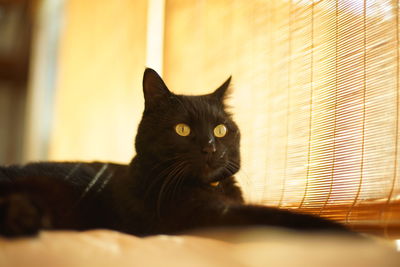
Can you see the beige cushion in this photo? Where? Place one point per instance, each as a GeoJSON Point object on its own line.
{"type": "Point", "coordinates": [270, 247]}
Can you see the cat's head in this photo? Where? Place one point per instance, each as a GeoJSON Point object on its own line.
{"type": "Point", "coordinates": [193, 136]}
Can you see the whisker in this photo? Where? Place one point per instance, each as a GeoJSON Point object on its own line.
{"type": "Point", "coordinates": [166, 186]}
{"type": "Point", "coordinates": [161, 174]}
{"type": "Point", "coordinates": [232, 167]}
{"type": "Point", "coordinates": [179, 181]}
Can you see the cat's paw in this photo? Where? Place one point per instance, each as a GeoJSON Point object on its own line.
{"type": "Point", "coordinates": [21, 215]}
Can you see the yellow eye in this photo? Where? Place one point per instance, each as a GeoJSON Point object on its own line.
{"type": "Point", "coordinates": [182, 129]}
{"type": "Point", "coordinates": [220, 130]}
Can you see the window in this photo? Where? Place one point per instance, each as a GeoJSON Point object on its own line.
{"type": "Point", "coordinates": [316, 95]}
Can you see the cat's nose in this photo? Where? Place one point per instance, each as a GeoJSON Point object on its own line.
{"type": "Point", "coordinates": [209, 148]}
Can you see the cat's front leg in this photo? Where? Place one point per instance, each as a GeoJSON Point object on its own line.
{"type": "Point", "coordinates": [30, 204]}
{"type": "Point", "coordinates": [22, 215]}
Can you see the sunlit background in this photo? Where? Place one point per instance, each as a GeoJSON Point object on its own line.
{"type": "Point", "coordinates": [316, 90]}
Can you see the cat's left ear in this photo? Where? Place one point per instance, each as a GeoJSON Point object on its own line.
{"type": "Point", "coordinates": [154, 89]}
{"type": "Point", "coordinates": [223, 91]}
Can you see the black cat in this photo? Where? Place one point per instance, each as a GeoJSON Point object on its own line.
{"type": "Point", "coordinates": [181, 178]}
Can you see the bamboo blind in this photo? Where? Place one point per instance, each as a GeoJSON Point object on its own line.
{"type": "Point", "coordinates": [316, 95]}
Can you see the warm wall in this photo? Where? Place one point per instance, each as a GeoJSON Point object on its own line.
{"type": "Point", "coordinates": [12, 101]}
{"type": "Point", "coordinates": [99, 96]}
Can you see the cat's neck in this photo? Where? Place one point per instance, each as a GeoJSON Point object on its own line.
{"type": "Point", "coordinates": [146, 174]}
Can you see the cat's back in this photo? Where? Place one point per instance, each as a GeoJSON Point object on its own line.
{"type": "Point", "coordinates": [78, 174]}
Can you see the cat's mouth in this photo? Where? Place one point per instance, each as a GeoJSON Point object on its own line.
{"type": "Point", "coordinates": [215, 168]}
{"type": "Point", "coordinates": [211, 165]}
{"type": "Point", "coordinates": [212, 172]}
{"type": "Point", "coordinates": [208, 168]}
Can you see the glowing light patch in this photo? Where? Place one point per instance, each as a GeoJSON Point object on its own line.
{"type": "Point", "coordinates": [397, 244]}
{"type": "Point", "coordinates": [214, 184]}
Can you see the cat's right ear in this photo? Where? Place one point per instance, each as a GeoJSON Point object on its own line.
{"type": "Point", "coordinates": [154, 88]}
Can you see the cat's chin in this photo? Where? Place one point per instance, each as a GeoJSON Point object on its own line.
{"type": "Point", "coordinates": [212, 174]}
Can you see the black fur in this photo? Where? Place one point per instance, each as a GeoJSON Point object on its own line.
{"type": "Point", "coordinates": [169, 186]}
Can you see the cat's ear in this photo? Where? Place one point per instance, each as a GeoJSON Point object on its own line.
{"type": "Point", "coordinates": [154, 88]}
{"type": "Point", "coordinates": [223, 91]}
